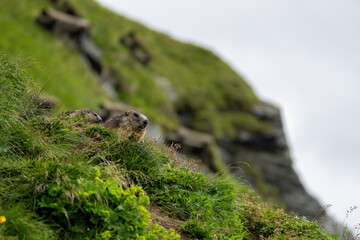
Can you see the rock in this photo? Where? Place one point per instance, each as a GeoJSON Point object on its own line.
{"type": "Point", "coordinates": [193, 143]}
{"type": "Point", "coordinates": [137, 47]}
{"type": "Point", "coordinates": [74, 28]}
{"type": "Point", "coordinates": [59, 21]}
{"type": "Point", "coordinates": [267, 112]}
{"type": "Point", "coordinates": [268, 153]}
{"type": "Point", "coordinates": [155, 131]}
{"type": "Point", "coordinates": [115, 78]}
{"type": "Point", "coordinates": [191, 138]}
{"type": "Point", "coordinates": [64, 6]}
{"type": "Point", "coordinates": [272, 140]}
{"type": "Point", "coordinates": [168, 87]}
{"type": "Point", "coordinates": [91, 52]}
{"type": "Point", "coordinates": [46, 102]}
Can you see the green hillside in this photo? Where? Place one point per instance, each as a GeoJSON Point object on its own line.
{"type": "Point", "coordinates": [58, 69]}
{"type": "Point", "coordinates": [63, 179]}
{"type": "Point", "coordinates": [205, 84]}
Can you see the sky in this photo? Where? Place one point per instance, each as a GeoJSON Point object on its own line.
{"type": "Point", "coordinates": [303, 56]}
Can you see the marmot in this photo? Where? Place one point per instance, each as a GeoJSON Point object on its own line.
{"type": "Point", "coordinates": [88, 116]}
{"type": "Point", "coordinates": [129, 124]}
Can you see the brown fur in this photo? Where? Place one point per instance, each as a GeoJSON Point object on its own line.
{"type": "Point", "coordinates": [88, 116]}
{"type": "Point", "coordinates": [129, 124]}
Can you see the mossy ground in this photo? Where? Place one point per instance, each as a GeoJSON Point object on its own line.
{"type": "Point", "coordinates": [75, 181]}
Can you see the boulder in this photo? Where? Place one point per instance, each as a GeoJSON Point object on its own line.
{"type": "Point", "coordinates": [91, 52]}
{"type": "Point", "coordinates": [59, 21]}
{"type": "Point", "coordinates": [194, 143]}
{"type": "Point", "coordinates": [268, 156]}
{"type": "Point", "coordinates": [137, 47]}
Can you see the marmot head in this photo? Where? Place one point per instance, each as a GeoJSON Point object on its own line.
{"type": "Point", "coordinates": [130, 124]}
{"type": "Point", "coordinates": [140, 119]}
{"type": "Point", "coordinates": [129, 119]}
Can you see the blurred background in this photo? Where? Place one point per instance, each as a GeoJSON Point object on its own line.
{"type": "Point", "coordinates": [304, 57]}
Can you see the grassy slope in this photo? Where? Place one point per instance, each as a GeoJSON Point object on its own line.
{"type": "Point", "coordinates": [71, 181]}
{"type": "Point", "coordinates": [192, 70]}
{"type": "Point", "coordinates": [204, 82]}
{"type": "Point", "coordinates": [206, 85]}
{"type": "Point", "coordinates": [58, 69]}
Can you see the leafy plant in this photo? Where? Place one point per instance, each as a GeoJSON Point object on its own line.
{"type": "Point", "coordinates": [98, 208]}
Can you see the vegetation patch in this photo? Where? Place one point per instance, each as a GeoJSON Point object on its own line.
{"type": "Point", "coordinates": [266, 222]}
{"type": "Point", "coordinates": [61, 179]}
{"type": "Point", "coordinates": [205, 85]}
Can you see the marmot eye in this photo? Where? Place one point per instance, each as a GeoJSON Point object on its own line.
{"type": "Point", "coordinates": [136, 114]}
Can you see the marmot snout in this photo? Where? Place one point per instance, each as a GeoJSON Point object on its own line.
{"type": "Point", "coordinates": [129, 124]}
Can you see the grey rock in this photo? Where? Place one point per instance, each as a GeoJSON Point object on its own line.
{"type": "Point", "coordinates": [92, 53]}
{"type": "Point", "coordinates": [272, 140]}
{"type": "Point", "coordinates": [266, 111]}
{"type": "Point", "coordinates": [59, 21]}
{"type": "Point", "coordinates": [155, 131]}
{"type": "Point", "coordinates": [268, 153]}
{"type": "Point", "coordinates": [168, 87]}
{"type": "Point", "coordinates": [194, 143]}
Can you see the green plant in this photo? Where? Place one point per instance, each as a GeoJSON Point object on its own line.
{"type": "Point", "coordinates": [20, 223]}
{"type": "Point", "coordinates": [206, 203]}
{"type": "Point", "coordinates": [266, 222]}
{"type": "Point", "coordinates": [98, 207]}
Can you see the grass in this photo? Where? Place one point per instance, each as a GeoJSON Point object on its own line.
{"type": "Point", "coordinates": [207, 87]}
{"type": "Point", "coordinates": [61, 179]}
{"type": "Point", "coordinates": [205, 84]}
{"type": "Point", "coordinates": [58, 69]}
{"type": "Point", "coordinates": [70, 180]}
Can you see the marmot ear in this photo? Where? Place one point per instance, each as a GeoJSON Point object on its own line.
{"type": "Point", "coordinates": [126, 113]}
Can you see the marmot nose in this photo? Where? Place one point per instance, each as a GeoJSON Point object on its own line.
{"type": "Point", "coordinates": [145, 122]}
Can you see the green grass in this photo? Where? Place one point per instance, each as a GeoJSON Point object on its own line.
{"type": "Point", "coordinates": [205, 83]}
{"type": "Point", "coordinates": [58, 69]}
{"type": "Point", "coordinates": [61, 179]}
{"type": "Point", "coordinates": [207, 87]}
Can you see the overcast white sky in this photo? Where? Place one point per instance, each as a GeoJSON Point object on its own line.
{"type": "Point", "coordinates": [304, 56]}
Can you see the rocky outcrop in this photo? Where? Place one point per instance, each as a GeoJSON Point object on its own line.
{"type": "Point", "coordinates": [140, 52]}
{"type": "Point", "coordinates": [268, 155]}
{"type": "Point", "coordinates": [195, 144]}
